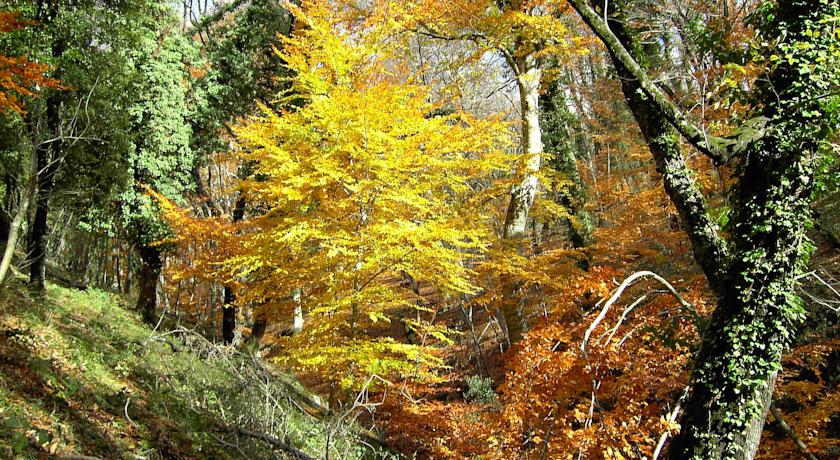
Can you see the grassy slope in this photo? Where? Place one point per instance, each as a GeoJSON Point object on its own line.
{"type": "Point", "coordinates": [79, 375]}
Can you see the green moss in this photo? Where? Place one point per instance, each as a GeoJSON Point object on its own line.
{"type": "Point", "coordinates": [80, 374]}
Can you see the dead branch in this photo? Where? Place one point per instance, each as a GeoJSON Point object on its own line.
{"type": "Point", "coordinates": [617, 294]}
{"type": "Point", "coordinates": [294, 452]}
{"type": "Point", "coordinates": [671, 418]}
{"type": "Point", "coordinates": [789, 431]}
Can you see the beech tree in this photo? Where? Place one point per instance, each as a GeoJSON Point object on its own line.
{"type": "Point", "coordinates": [529, 35]}
{"type": "Point", "coordinates": [754, 270]}
{"type": "Point", "coordinates": [359, 183]}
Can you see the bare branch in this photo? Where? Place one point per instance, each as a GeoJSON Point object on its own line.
{"type": "Point", "coordinates": [621, 288]}
{"type": "Point", "coordinates": [292, 451]}
{"type": "Point", "coordinates": [719, 149]}
{"type": "Point", "coordinates": [672, 417]}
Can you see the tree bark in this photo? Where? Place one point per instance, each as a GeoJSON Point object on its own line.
{"type": "Point", "coordinates": [758, 311]}
{"type": "Point", "coordinates": [742, 347]}
{"type": "Point", "coordinates": [48, 158]}
{"type": "Point", "coordinates": [228, 316]}
{"type": "Point", "coordinates": [559, 140]}
{"type": "Point", "coordinates": [297, 324]}
{"type": "Point", "coordinates": [229, 310]}
{"type": "Point", "coordinates": [522, 195]}
{"type": "Point", "coordinates": [151, 264]}
{"type": "Point", "coordinates": [252, 345]}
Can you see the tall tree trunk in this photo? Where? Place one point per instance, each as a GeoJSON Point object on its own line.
{"type": "Point", "coordinates": [522, 195]}
{"type": "Point", "coordinates": [151, 264]}
{"type": "Point", "coordinates": [735, 371]}
{"type": "Point", "coordinates": [559, 124]}
{"type": "Point", "coordinates": [48, 159]}
{"type": "Point", "coordinates": [228, 316]}
{"type": "Point", "coordinates": [6, 208]}
{"type": "Point", "coordinates": [297, 324]}
{"type": "Point", "coordinates": [49, 156]}
{"type": "Point", "coordinates": [129, 271]}
{"type": "Point", "coordinates": [754, 276]}
{"type": "Point", "coordinates": [229, 310]}
{"type": "Point", "coordinates": [705, 435]}
{"type": "Point", "coordinates": [8, 205]}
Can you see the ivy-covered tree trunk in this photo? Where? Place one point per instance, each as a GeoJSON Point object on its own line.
{"type": "Point", "coordinates": [754, 274]}
{"type": "Point", "coordinates": [758, 308]}
{"type": "Point", "coordinates": [756, 316]}
{"type": "Point", "coordinates": [558, 125]}
{"type": "Point", "coordinates": [151, 264]}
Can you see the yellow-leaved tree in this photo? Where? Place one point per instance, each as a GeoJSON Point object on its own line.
{"type": "Point", "coordinates": [358, 182]}
{"type": "Point", "coordinates": [533, 38]}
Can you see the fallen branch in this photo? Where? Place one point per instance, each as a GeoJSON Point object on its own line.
{"type": "Point", "coordinates": [792, 434]}
{"type": "Point", "coordinates": [294, 452]}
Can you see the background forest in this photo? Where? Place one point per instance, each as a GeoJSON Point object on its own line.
{"type": "Point", "coordinates": [509, 229]}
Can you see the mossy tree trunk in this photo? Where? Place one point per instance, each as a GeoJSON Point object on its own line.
{"type": "Point", "coordinates": [754, 273]}
{"type": "Point", "coordinates": [559, 124]}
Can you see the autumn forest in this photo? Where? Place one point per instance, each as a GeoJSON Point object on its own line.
{"type": "Point", "coordinates": [420, 229]}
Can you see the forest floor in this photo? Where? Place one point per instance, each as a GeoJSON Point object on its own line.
{"type": "Point", "coordinates": [81, 374]}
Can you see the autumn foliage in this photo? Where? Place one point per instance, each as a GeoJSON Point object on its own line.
{"type": "Point", "coordinates": [20, 77]}
{"type": "Point", "coordinates": [375, 210]}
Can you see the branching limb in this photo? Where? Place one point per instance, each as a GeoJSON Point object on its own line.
{"type": "Point", "coordinates": [828, 303]}
{"type": "Point", "coordinates": [617, 294]}
{"type": "Point", "coordinates": [208, 21]}
{"type": "Point", "coordinates": [719, 149]}
{"type": "Point", "coordinates": [709, 247]}
{"type": "Point", "coordinates": [427, 31]}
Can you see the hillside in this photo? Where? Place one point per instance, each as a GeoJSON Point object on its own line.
{"type": "Point", "coordinates": [81, 375]}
